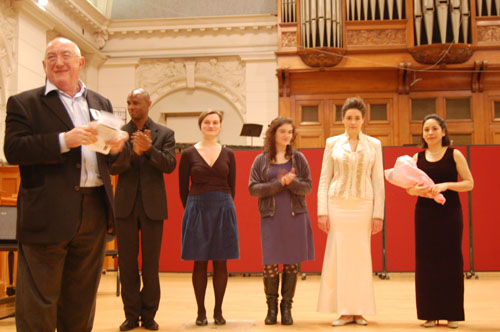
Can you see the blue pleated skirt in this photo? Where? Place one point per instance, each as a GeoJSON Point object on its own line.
{"type": "Point", "coordinates": [209, 228]}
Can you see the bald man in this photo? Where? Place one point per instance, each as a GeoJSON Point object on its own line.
{"type": "Point", "coordinates": [65, 197]}
{"type": "Point", "coordinates": [141, 207]}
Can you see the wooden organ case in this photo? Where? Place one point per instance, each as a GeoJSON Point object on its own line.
{"type": "Point", "coordinates": [405, 58]}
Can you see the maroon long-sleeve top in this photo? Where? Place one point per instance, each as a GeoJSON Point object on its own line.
{"type": "Point", "coordinates": [221, 176]}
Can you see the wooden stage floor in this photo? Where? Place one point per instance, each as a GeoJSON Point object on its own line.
{"type": "Point", "coordinates": [244, 306]}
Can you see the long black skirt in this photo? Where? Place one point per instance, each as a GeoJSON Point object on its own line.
{"type": "Point", "coordinates": [439, 281]}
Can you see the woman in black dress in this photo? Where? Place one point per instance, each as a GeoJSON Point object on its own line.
{"type": "Point", "coordinates": [209, 228]}
{"type": "Point", "coordinates": [439, 283]}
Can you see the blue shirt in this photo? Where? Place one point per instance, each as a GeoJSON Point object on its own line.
{"type": "Point", "coordinates": [78, 110]}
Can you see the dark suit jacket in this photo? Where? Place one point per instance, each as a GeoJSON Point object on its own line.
{"type": "Point", "coordinates": [49, 198]}
{"type": "Point", "coordinates": [145, 173]}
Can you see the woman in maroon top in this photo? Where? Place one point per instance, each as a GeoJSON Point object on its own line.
{"type": "Point", "coordinates": [209, 228]}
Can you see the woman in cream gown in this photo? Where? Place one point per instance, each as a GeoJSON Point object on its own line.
{"type": "Point", "coordinates": [350, 209]}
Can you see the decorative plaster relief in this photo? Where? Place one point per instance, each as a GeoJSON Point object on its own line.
{"type": "Point", "coordinates": [376, 37]}
{"type": "Point", "coordinates": [488, 34]}
{"type": "Point", "coordinates": [151, 74]}
{"type": "Point", "coordinates": [101, 37]}
{"type": "Point", "coordinates": [223, 75]}
{"type": "Point", "coordinates": [289, 39]}
{"type": "Point", "coordinates": [8, 23]}
{"type": "Point", "coordinates": [81, 17]}
{"type": "Point", "coordinates": [8, 40]}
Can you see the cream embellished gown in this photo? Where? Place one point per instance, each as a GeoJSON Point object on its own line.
{"type": "Point", "coordinates": [351, 193]}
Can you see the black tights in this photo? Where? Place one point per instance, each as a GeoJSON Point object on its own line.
{"type": "Point", "coordinates": [200, 285]}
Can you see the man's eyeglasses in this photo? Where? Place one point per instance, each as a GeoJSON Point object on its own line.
{"type": "Point", "coordinates": [52, 58]}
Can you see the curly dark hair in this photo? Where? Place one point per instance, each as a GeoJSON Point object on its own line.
{"type": "Point", "coordinates": [270, 139]}
{"type": "Point", "coordinates": [445, 141]}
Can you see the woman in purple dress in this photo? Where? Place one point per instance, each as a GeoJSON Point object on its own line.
{"type": "Point", "coordinates": [439, 282]}
{"type": "Point", "coordinates": [280, 178]}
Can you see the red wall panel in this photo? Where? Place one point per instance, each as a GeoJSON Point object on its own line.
{"type": "Point", "coordinates": [484, 164]}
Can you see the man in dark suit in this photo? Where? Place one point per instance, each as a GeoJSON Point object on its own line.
{"type": "Point", "coordinates": [65, 197]}
{"type": "Point", "coordinates": [141, 205]}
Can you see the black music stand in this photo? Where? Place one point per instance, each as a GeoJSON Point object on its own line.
{"type": "Point", "coordinates": [252, 130]}
{"type": "Point", "coordinates": [8, 242]}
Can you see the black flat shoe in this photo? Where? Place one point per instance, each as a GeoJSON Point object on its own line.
{"type": "Point", "coordinates": [219, 320]}
{"type": "Point", "coordinates": [129, 324]}
{"type": "Point", "coordinates": [150, 324]}
{"type": "Point", "coordinates": [201, 321]}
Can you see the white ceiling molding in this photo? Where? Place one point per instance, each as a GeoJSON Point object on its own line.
{"type": "Point", "coordinates": [80, 21]}
{"type": "Point", "coordinates": [193, 37]}
{"type": "Point", "coordinates": [77, 20]}
{"type": "Point", "coordinates": [197, 24]}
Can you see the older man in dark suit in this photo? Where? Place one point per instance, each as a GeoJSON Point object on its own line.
{"type": "Point", "coordinates": [141, 205]}
{"type": "Point", "coordinates": [65, 196]}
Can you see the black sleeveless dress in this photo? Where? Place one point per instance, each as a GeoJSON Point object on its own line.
{"type": "Point", "coordinates": [439, 282]}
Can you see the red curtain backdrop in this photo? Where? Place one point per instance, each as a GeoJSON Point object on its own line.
{"type": "Point", "coordinates": [484, 163]}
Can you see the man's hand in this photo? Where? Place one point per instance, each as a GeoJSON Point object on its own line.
{"type": "Point", "coordinates": [81, 135]}
{"type": "Point", "coordinates": [141, 141]}
{"type": "Point", "coordinates": [118, 142]}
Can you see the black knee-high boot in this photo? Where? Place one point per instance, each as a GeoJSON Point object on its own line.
{"type": "Point", "coordinates": [288, 283]}
{"type": "Point", "coordinates": [271, 287]}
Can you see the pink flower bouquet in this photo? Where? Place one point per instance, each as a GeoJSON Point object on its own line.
{"type": "Point", "coordinates": [406, 174]}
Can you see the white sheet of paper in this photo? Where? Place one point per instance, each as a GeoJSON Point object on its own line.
{"type": "Point", "coordinates": [107, 128]}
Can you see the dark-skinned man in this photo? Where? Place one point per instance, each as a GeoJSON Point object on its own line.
{"type": "Point", "coordinates": [141, 206]}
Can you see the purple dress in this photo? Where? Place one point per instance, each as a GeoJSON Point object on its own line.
{"type": "Point", "coordinates": [286, 238]}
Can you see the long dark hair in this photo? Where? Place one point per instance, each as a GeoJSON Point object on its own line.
{"type": "Point", "coordinates": [445, 141]}
{"type": "Point", "coordinates": [270, 139]}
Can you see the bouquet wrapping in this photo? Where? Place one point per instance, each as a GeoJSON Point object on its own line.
{"type": "Point", "coordinates": [406, 174]}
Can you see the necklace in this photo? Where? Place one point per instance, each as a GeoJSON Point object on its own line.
{"type": "Point", "coordinates": [438, 152]}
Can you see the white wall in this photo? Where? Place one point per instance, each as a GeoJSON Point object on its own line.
{"type": "Point", "coordinates": [116, 80]}
{"type": "Point", "coordinates": [198, 100]}
{"type": "Point", "coordinates": [262, 94]}
{"type": "Point", "coordinates": [31, 51]}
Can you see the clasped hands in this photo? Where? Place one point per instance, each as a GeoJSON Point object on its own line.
{"type": "Point", "coordinates": [423, 190]}
{"type": "Point", "coordinates": [86, 135]}
{"type": "Point", "coordinates": [141, 141]}
{"type": "Point", "coordinates": [288, 177]}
